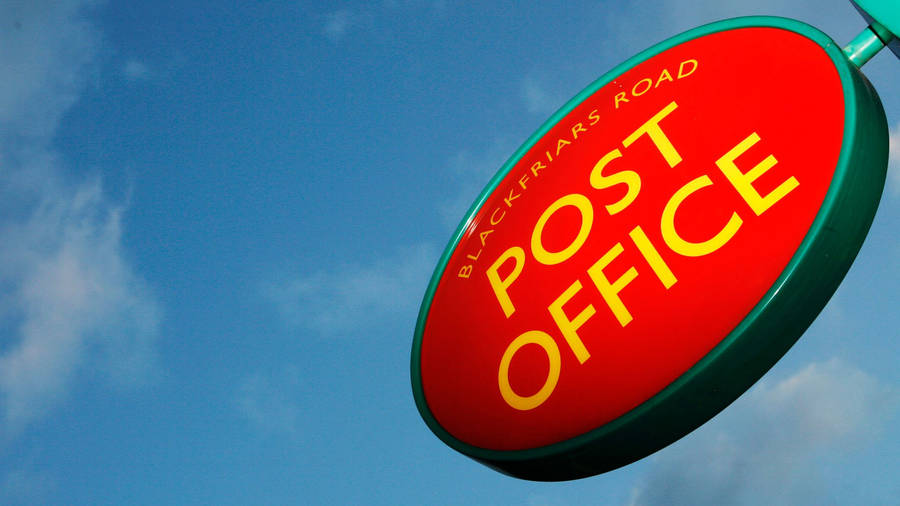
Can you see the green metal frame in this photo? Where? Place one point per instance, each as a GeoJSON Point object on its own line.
{"type": "Point", "coordinates": [764, 336]}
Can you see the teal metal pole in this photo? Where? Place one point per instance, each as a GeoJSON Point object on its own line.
{"type": "Point", "coordinates": [866, 45]}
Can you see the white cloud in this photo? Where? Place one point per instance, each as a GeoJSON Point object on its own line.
{"type": "Point", "coordinates": [471, 172]}
{"type": "Point", "coordinates": [70, 299]}
{"type": "Point", "coordinates": [135, 70]}
{"type": "Point", "coordinates": [537, 99]}
{"type": "Point", "coordinates": [26, 485]}
{"type": "Point", "coordinates": [273, 403]}
{"type": "Point", "coordinates": [773, 446]}
{"type": "Point", "coordinates": [537, 499]}
{"type": "Point", "coordinates": [337, 23]}
{"type": "Point", "coordinates": [894, 163]}
{"type": "Point", "coordinates": [355, 296]}
{"type": "Point", "coordinates": [47, 46]}
{"type": "Point", "coordinates": [68, 296]}
{"type": "Point", "coordinates": [660, 19]}
{"type": "Point", "coordinates": [808, 11]}
{"type": "Point", "coordinates": [365, 18]}
{"type": "Point", "coordinates": [435, 5]}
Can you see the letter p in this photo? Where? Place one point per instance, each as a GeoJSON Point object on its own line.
{"type": "Point", "coordinates": [501, 286]}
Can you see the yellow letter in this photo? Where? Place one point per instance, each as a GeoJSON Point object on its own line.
{"type": "Point", "coordinates": [495, 223]}
{"type": "Point", "coordinates": [583, 205]}
{"type": "Point", "coordinates": [653, 257]}
{"type": "Point", "coordinates": [501, 286]}
{"type": "Point", "coordinates": [549, 345]}
{"type": "Point", "coordinates": [577, 128]}
{"type": "Point", "coordinates": [652, 129]}
{"type": "Point", "coordinates": [629, 177]}
{"type": "Point", "coordinates": [522, 181]}
{"type": "Point", "coordinates": [483, 235]}
{"type": "Point", "coordinates": [663, 76]}
{"type": "Point", "coordinates": [743, 183]}
{"type": "Point", "coordinates": [619, 98]}
{"type": "Point", "coordinates": [610, 291]}
{"type": "Point", "coordinates": [635, 87]}
{"type": "Point", "coordinates": [682, 73]}
{"type": "Point", "coordinates": [694, 249]}
{"type": "Point", "coordinates": [569, 328]}
{"type": "Point", "coordinates": [512, 196]}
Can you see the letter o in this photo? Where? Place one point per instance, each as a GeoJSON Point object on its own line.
{"type": "Point", "coordinates": [583, 205]}
{"type": "Point", "coordinates": [634, 89]}
{"type": "Point", "coordinates": [551, 349]}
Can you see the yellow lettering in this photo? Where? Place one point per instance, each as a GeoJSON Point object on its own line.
{"type": "Point", "coordinates": [634, 89]}
{"type": "Point", "coordinates": [536, 167]}
{"type": "Point", "coordinates": [569, 328]}
{"type": "Point", "coordinates": [683, 73]}
{"type": "Point", "coordinates": [610, 291]}
{"type": "Point", "coordinates": [501, 286]}
{"type": "Point", "coordinates": [546, 342]}
{"type": "Point", "coordinates": [577, 201]}
{"type": "Point", "coordinates": [577, 128]}
{"type": "Point", "coordinates": [694, 249]}
{"type": "Point", "coordinates": [561, 143]}
{"type": "Point", "coordinates": [743, 182]}
{"type": "Point", "coordinates": [483, 235]}
{"type": "Point", "coordinates": [522, 181]}
{"type": "Point", "coordinates": [493, 214]}
{"type": "Point", "coordinates": [652, 256]}
{"type": "Point", "coordinates": [465, 271]}
{"type": "Point", "coordinates": [663, 76]}
{"type": "Point", "coordinates": [627, 177]}
{"type": "Point", "coordinates": [620, 97]}
{"type": "Point", "coordinates": [594, 117]}
{"type": "Point", "coordinates": [512, 196]}
{"type": "Point", "coordinates": [652, 129]}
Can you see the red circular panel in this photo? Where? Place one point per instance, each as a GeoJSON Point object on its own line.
{"type": "Point", "coordinates": [733, 138]}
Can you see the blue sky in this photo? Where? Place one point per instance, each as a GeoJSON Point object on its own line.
{"type": "Point", "coordinates": [217, 222]}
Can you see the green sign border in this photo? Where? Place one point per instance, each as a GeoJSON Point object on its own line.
{"type": "Point", "coordinates": [763, 337]}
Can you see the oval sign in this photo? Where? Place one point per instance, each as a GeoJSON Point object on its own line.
{"type": "Point", "coordinates": [651, 251]}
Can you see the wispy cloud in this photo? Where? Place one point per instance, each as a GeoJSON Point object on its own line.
{"type": "Point", "coordinates": [351, 297]}
{"type": "Point", "coordinates": [471, 170]}
{"type": "Point", "coordinates": [337, 23]}
{"type": "Point", "coordinates": [537, 99]}
{"type": "Point", "coordinates": [135, 70]}
{"type": "Point", "coordinates": [538, 499]}
{"type": "Point", "coordinates": [68, 295]}
{"type": "Point", "coordinates": [436, 5]}
{"type": "Point", "coordinates": [702, 11]}
{"type": "Point", "coordinates": [364, 18]}
{"type": "Point", "coordinates": [25, 485]}
{"type": "Point", "coordinates": [894, 163]}
{"type": "Point", "coordinates": [71, 298]}
{"type": "Point", "coordinates": [48, 45]}
{"type": "Point", "coordinates": [776, 443]}
{"type": "Point", "coordinates": [273, 403]}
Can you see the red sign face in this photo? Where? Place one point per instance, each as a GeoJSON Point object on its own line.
{"type": "Point", "coordinates": [631, 238]}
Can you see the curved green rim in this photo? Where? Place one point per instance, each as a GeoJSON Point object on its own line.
{"type": "Point", "coordinates": [763, 337]}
